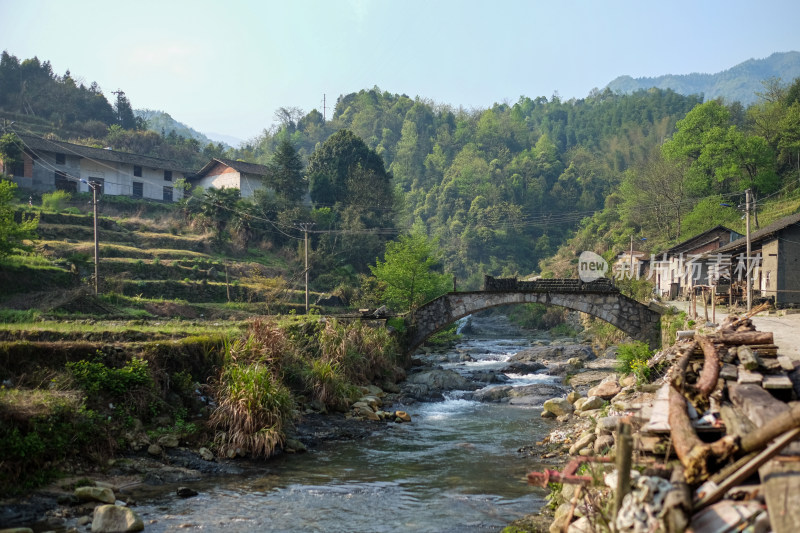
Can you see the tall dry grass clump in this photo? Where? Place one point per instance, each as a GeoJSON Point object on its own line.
{"type": "Point", "coordinates": [253, 408]}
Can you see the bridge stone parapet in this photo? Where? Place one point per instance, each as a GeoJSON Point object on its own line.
{"type": "Point", "coordinates": [600, 300]}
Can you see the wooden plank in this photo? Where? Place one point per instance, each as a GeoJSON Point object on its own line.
{"type": "Point", "coordinates": [755, 403]}
{"type": "Point", "coordinates": [747, 377]}
{"type": "Point", "coordinates": [729, 372]}
{"type": "Point", "coordinates": [781, 481]}
{"type": "Point", "coordinates": [780, 382]}
{"type": "Point", "coordinates": [724, 516]}
{"type": "Point", "coordinates": [786, 363]}
{"type": "Point", "coordinates": [770, 364]}
{"type": "Point", "coordinates": [736, 423]}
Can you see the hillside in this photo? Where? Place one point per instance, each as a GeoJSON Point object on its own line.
{"type": "Point", "coordinates": [153, 264]}
{"type": "Point", "coordinates": [162, 122]}
{"type": "Point", "coordinates": [736, 84]}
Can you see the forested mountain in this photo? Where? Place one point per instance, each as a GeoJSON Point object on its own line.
{"type": "Point", "coordinates": [500, 188]}
{"type": "Point", "coordinates": [162, 122]}
{"type": "Point", "coordinates": [737, 84]}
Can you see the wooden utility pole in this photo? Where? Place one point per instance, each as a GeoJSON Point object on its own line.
{"type": "Point", "coordinates": [748, 264]}
{"type": "Point", "coordinates": [305, 226]}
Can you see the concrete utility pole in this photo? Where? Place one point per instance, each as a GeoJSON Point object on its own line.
{"type": "Point", "coordinates": [748, 264]}
{"type": "Point", "coordinates": [631, 257]}
{"type": "Point", "coordinates": [305, 226]}
{"type": "Point", "coordinates": [95, 186]}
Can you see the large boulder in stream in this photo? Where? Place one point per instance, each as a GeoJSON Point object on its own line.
{"type": "Point", "coordinates": [533, 395]}
{"type": "Point", "coordinates": [554, 353]}
{"type": "Point", "coordinates": [430, 384]}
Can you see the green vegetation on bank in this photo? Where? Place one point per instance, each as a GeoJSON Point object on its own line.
{"type": "Point", "coordinates": [82, 401]}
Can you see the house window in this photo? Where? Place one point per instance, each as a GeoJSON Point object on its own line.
{"type": "Point", "coordinates": [63, 183]}
{"type": "Point", "coordinates": [138, 189]}
{"type": "Point", "coordinates": [137, 171]}
{"type": "Point", "coordinates": [167, 194]}
{"type": "Point", "coordinates": [100, 182]}
{"type": "Point", "coordinates": [61, 159]}
{"type": "Point", "coordinates": [167, 175]}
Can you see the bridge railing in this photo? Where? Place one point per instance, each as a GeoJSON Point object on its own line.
{"type": "Point", "coordinates": [547, 285]}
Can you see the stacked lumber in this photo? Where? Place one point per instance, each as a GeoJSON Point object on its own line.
{"type": "Point", "coordinates": [738, 375]}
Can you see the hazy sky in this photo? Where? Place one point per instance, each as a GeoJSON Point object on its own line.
{"type": "Point", "coordinates": [225, 67]}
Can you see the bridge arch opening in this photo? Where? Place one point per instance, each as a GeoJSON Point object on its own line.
{"type": "Point", "coordinates": [601, 300]}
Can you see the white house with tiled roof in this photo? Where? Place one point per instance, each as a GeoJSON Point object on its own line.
{"type": "Point", "coordinates": [49, 165]}
{"type": "Point", "coordinates": [219, 173]}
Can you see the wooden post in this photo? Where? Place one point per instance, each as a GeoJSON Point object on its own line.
{"type": "Point", "coordinates": [705, 304]}
{"type": "Point", "coordinates": [714, 304]}
{"type": "Point", "coordinates": [624, 460]}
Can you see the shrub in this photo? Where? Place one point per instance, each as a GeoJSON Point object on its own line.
{"type": "Point", "coordinates": [253, 407]}
{"type": "Point", "coordinates": [632, 359]}
{"type": "Point", "coordinates": [56, 200]}
{"type": "Point", "coordinates": [40, 427]}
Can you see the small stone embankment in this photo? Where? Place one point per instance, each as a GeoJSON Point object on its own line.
{"type": "Point", "coordinates": [711, 441]}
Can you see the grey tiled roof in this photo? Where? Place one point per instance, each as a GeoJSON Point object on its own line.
{"type": "Point", "coordinates": [38, 144]}
{"type": "Point", "coordinates": [761, 234]}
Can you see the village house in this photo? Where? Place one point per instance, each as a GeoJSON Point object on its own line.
{"type": "Point", "coordinates": [679, 269]}
{"type": "Point", "coordinates": [775, 266]}
{"type": "Point", "coordinates": [219, 173]}
{"type": "Point", "coordinates": [49, 165]}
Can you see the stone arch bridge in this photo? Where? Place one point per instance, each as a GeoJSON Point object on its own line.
{"type": "Point", "coordinates": [598, 298]}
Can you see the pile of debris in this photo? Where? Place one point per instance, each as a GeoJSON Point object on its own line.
{"type": "Point", "coordinates": [715, 446]}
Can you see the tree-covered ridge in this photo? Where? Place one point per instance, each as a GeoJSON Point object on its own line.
{"type": "Point", "coordinates": [737, 84]}
{"type": "Point", "coordinates": [500, 188]}
{"type": "Point", "coordinates": [696, 179]}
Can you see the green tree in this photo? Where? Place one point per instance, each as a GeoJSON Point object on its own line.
{"type": "Point", "coordinates": [286, 171]}
{"type": "Point", "coordinates": [12, 233]}
{"type": "Point", "coordinates": [409, 272]}
{"type": "Point", "coordinates": [10, 152]}
{"type": "Point", "coordinates": [332, 167]}
{"type": "Point", "coordinates": [218, 209]}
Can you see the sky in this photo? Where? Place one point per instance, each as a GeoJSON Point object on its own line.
{"type": "Point", "coordinates": [226, 67]}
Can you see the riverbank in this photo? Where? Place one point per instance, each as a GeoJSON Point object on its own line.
{"type": "Point", "coordinates": [586, 503]}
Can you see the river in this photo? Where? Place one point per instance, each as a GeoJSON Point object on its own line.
{"type": "Point", "coordinates": [454, 468]}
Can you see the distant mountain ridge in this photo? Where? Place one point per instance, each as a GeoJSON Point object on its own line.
{"type": "Point", "coordinates": [739, 83]}
{"type": "Point", "coordinates": [159, 121]}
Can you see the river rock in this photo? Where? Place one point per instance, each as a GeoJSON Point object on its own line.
{"type": "Point", "coordinates": [186, 492]}
{"type": "Point", "coordinates": [95, 494]}
{"type": "Point", "coordinates": [115, 519]}
{"type": "Point", "coordinates": [581, 525]}
{"type": "Point", "coordinates": [445, 380]}
{"type": "Point", "coordinates": [606, 389]}
{"type": "Point", "coordinates": [603, 443]}
{"type": "Point", "coordinates": [560, 519]}
{"type": "Point", "coordinates": [574, 396]}
{"type": "Point", "coordinates": [206, 454]}
{"type": "Point", "coordinates": [373, 390]}
{"type": "Point", "coordinates": [367, 413]}
{"type": "Point", "coordinates": [489, 377]}
{"type": "Point", "coordinates": [155, 449]}
{"type": "Point", "coordinates": [492, 394]}
{"type": "Point", "coordinates": [608, 424]}
{"type": "Point", "coordinates": [402, 416]}
{"type": "Point", "coordinates": [554, 353]}
{"type": "Point", "coordinates": [578, 404]}
{"type": "Point", "coordinates": [575, 362]}
{"type": "Point", "coordinates": [582, 443]}
{"type": "Point", "coordinates": [592, 402]}
{"type": "Point", "coordinates": [294, 446]}
{"type": "Point", "coordinates": [168, 441]}
{"type": "Point", "coordinates": [558, 406]}
{"type": "Point", "coordinates": [524, 367]}
{"type": "Point", "coordinates": [547, 414]}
